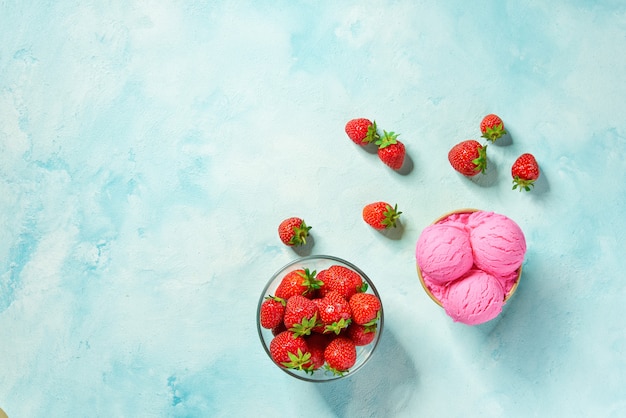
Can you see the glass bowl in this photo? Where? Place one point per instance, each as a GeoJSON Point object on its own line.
{"type": "Point", "coordinates": [318, 263]}
{"type": "Point", "coordinates": [431, 292]}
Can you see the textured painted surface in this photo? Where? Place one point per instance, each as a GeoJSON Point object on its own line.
{"type": "Point", "coordinates": [149, 149]}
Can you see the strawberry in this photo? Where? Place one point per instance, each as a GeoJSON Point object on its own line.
{"type": "Point", "coordinates": [293, 231]}
{"type": "Point", "coordinates": [365, 308]}
{"type": "Point", "coordinates": [381, 215]}
{"type": "Point", "coordinates": [300, 315]}
{"type": "Point", "coordinates": [340, 355]}
{"type": "Point", "coordinates": [362, 131]}
{"type": "Point", "coordinates": [468, 157]}
{"type": "Point", "coordinates": [316, 344]}
{"type": "Point", "coordinates": [297, 282]}
{"type": "Point", "coordinates": [278, 329]}
{"type": "Point", "coordinates": [524, 172]}
{"type": "Point", "coordinates": [272, 311]}
{"type": "Point", "coordinates": [361, 334]}
{"type": "Point", "coordinates": [390, 150]}
{"type": "Point", "coordinates": [492, 127]}
{"type": "Point", "coordinates": [290, 351]}
{"type": "Point", "coordinates": [334, 312]}
{"type": "Point", "coordinates": [343, 280]}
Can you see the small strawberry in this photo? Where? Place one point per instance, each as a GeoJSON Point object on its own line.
{"type": "Point", "coordinates": [290, 351]}
{"type": "Point", "coordinates": [340, 355]}
{"type": "Point", "coordinates": [390, 150]}
{"type": "Point", "coordinates": [381, 215]}
{"type": "Point", "coordinates": [272, 311]}
{"type": "Point", "coordinates": [334, 312]}
{"type": "Point", "coordinates": [468, 157]}
{"type": "Point", "coordinates": [524, 172]}
{"type": "Point", "coordinates": [298, 282]}
{"type": "Point", "coordinates": [365, 308]}
{"type": "Point", "coordinates": [343, 280]}
{"type": "Point", "coordinates": [361, 334]}
{"type": "Point", "coordinates": [492, 127]}
{"type": "Point", "coordinates": [293, 231]}
{"type": "Point", "coordinates": [316, 344]}
{"type": "Point", "coordinates": [362, 131]}
{"type": "Point", "coordinates": [300, 315]}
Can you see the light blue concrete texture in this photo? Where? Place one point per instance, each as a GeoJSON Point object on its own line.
{"type": "Point", "coordinates": [149, 150]}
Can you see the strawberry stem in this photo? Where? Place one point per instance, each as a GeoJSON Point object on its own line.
{"type": "Point", "coordinates": [391, 216]}
{"type": "Point", "coordinates": [481, 161]}
{"type": "Point", "coordinates": [310, 281]}
{"type": "Point", "coordinates": [299, 234]}
{"type": "Point", "coordinates": [304, 327]}
{"type": "Point", "coordinates": [372, 134]}
{"type": "Point", "coordinates": [495, 132]}
{"type": "Point", "coordinates": [388, 138]}
{"type": "Point", "coordinates": [522, 184]}
{"type": "Point", "coordinates": [338, 326]}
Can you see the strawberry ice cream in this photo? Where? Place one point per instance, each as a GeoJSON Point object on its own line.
{"type": "Point", "coordinates": [498, 243]}
{"type": "Point", "coordinates": [475, 298]}
{"type": "Point", "coordinates": [470, 262]}
{"type": "Point", "coordinates": [444, 252]}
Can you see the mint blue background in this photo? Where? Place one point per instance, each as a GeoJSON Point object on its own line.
{"type": "Point", "coordinates": [149, 149]}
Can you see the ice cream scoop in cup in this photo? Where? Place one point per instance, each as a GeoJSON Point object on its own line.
{"type": "Point", "coordinates": [475, 294]}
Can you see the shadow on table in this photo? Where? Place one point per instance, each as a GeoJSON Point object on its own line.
{"type": "Point", "coordinates": [489, 177]}
{"type": "Point", "coordinates": [529, 336]}
{"type": "Point", "coordinates": [383, 387]}
{"type": "Point", "coordinates": [306, 249]}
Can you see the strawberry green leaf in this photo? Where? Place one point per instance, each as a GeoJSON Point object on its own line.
{"type": "Point", "coordinates": [373, 321]}
{"type": "Point", "coordinates": [299, 361]}
{"type": "Point", "coordinates": [304, 327]}
{"type": "Point", "coordinates": [338, 326]}
{"type": "Point", "coordinates": [388, 138]}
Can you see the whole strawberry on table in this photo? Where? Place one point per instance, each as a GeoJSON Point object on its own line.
{"type": "Point", "coordinates": [492, 127]}
{"type": "Point", "coordinates": [362, 131]}
{"type": "Point", "coordinates": [319, 319]}
{"type": "Point", "coordinates": [468, 157]}
{"type": "Point", "coordinates": [381, 215]}
{"type": "Point", "coordinates": [391, 151]}
{"type": "Point", "coordinates": [293, 231]}
{"type": "Point", "coordinates": [525, 171]}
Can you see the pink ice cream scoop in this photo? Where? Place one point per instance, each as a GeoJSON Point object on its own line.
{"type": "Point", "coordinates": [498, 243]}
{"type": "Point", "coordinates": [475, 298]}
{"type": "Point", "coordinates": [443, 252]}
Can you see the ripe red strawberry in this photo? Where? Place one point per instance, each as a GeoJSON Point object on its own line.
{"type": "Point", "coordinates": [525, 171]}
{"type": "Point", "coordinates": [293, 231]}
{"type": "Point", "coordinates": [362, 131]}
{"type": "Point", "coordinates": [340, 355]}
{"type": "Point", "coordinates": [390, 150]}
{"type": "Point", "coordinates": [316, 344]}
{"type": "Point", "coordinates": [381, 215]}
{"type": "Point", "coordinates": [272, 312]}
{"type": "Point", "coordinates": [365, 308]}
{"type": "Point", "coordinates": [492, 127]}
{"type": "Point", "coordinates": [361, 334]}
{"type": "Point", "coordinates": [300, 315]}
{"type": "Point", "coordinates": [297, 282]}
{"type": "Point", "coordinates": [290, 351]}
{"type": "Point", "coordinates": [343, 280]}
{"type": "Point", "coordinates": [334, 312]}
{"type": "Point", "coordinates": [468, 157]}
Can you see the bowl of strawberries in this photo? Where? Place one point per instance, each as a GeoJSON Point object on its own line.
{"type": "Point", "coordinates": [319, 318]}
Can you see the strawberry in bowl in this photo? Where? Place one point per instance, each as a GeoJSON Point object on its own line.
{"type": "Point", "coordinates": [327, 325]}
